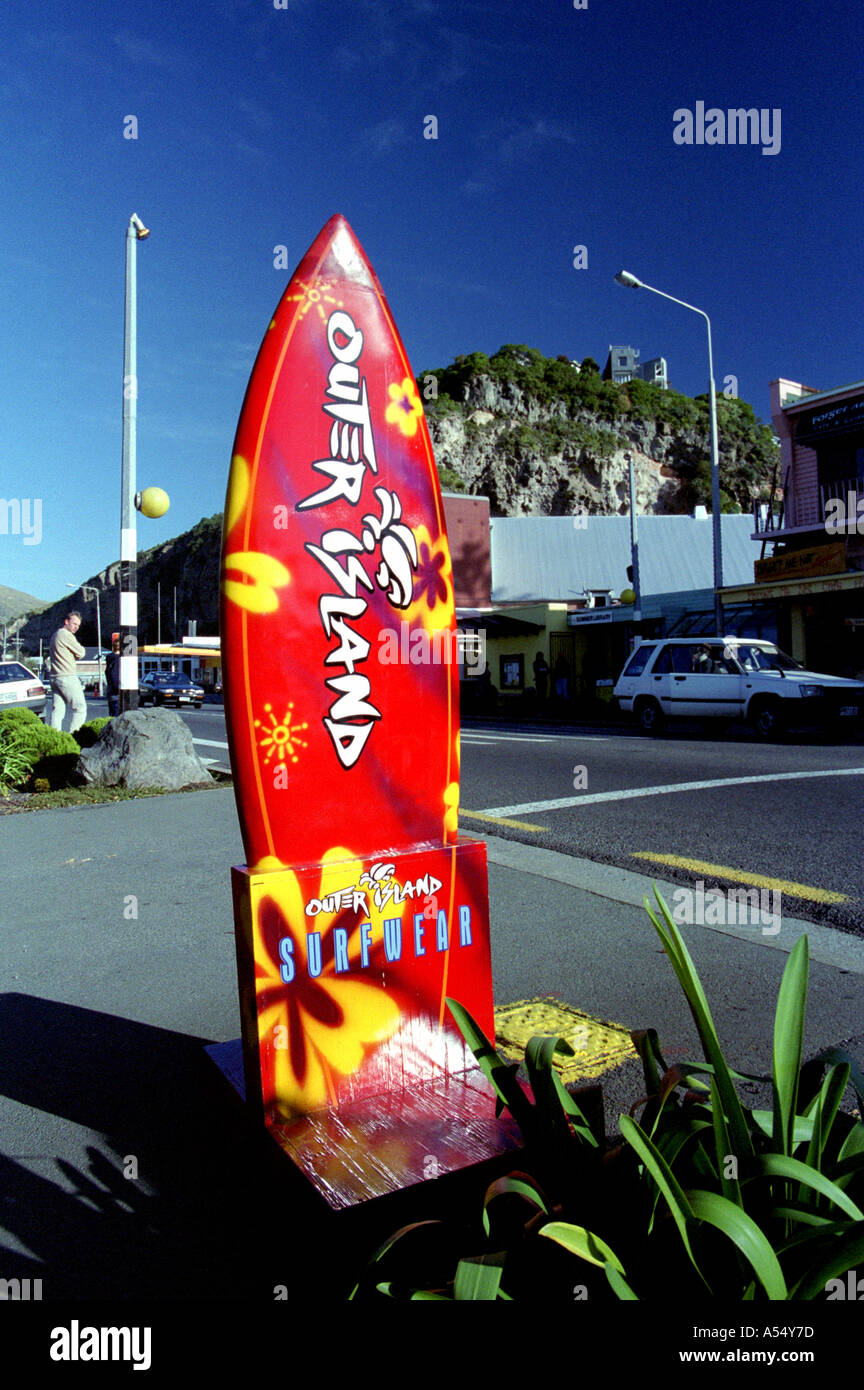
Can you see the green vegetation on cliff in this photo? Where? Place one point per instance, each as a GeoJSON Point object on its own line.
{"type": "Point", "coordinates": [573, 406]}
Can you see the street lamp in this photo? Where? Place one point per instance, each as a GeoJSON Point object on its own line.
{"type": "Point", "coordinates": [93, 589]}
{"type": "Point", "coordinates": [135, 232]}
{"type": "Point", "coordinates": [147, 501]}
{"type": "Point", "coordinates": [631, 282]}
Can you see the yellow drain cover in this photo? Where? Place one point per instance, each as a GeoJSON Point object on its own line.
{"type": "Point", "coordinates": [598, 1046]}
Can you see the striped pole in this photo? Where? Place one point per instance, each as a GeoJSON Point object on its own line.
{"type": "Point", "coordinates": [128, 624]}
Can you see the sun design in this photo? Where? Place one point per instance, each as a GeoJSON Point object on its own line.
{"type": "Point", "coordinates": [314, 294]}
{"type": "Point", "coordinates": [281, 739]}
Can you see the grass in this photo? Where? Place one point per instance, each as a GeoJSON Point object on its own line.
{"type": "Point", "coordinates": [94, 796]}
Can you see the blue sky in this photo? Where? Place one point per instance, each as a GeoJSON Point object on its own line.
{"type": "Point", "coordinates": [256, 123]}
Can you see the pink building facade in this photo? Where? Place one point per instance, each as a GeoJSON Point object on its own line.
{"type": "Point", "coordinates": [812, 529]}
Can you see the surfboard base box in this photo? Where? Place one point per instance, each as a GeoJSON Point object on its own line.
{"type": "Point", "coordinates": [351, 1058]}
{"type": "Point", "coordinates": [382, 1144]}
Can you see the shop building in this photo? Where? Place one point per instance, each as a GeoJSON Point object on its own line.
{"type": "Point", "coordinates": [811, 533]}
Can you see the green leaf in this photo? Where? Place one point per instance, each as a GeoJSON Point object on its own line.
{"type": "Point", "coordinates": [388, 1245]}
{"type": "Point", "coordinates": [687, 1067]}
{"type": "Point", "coordinates": [500, 1073]}
{"type": "Point", "coordinates": [853, 1143]}
{"type": "Point", "coordinates": [722, 1144]}
{"type": "Point", "coordinates": [788, 1043]}
{"type": "Point", "coordinates": [805, 1216]}
{"type": "Point", "coordinates": [477, 1280]}
{"type": "Point", "coordinates": [619, 1284]}
{"type": "Point", "coordinates": [846, 1253]}
{"type": "Point", "coordinates": [802, 1132]}
{"type": "Point", "coordinates": [414, 1295]}
{"type": "Point", "coordinates": [856, 1076]}
{"type": "Point", "coordinates": [582, 1243]}
{"type": "Point", "coordinates": [692, 986]}
{"type": "Point", "coordinates": [555, 1108]}
{"type": "Point", "coordinates": [665, 1180]}
{"type": "Point", "coordinates": [779, 1166]}
{"type": "Point", "coordinates": [825, 1111]}
{"type": "Point", "coordinates": [677, 1132]}
{"type": "Point", "coordinates": [647, 1045]}
{"type": "Point", "coordinates": [521, 1186]}
{"type": "Point", "coordinates": [593, 1133]}
{"type": "Point", "coordinates": [742, 1230]}
{"type": "Point", "coordinates": [847, 1168]}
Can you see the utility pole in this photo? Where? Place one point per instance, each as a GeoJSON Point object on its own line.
{"type": "Point", "coordinates": [634, 544]}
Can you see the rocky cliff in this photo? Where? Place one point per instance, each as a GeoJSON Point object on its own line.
{"type": "Point", "coordinates": [188, 564]}
{"type": "Point", "coordinates": [539, 436]}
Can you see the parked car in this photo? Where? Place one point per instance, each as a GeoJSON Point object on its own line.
{"type": "Point", "coordinates": [19, 686]}
{"type": "Point", "coordinates": [169, 687]}
{"type": "Point", "coordinates": [733, 678]}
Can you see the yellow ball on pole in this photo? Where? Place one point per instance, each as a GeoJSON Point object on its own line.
{"type": "Point", "coordinates": [153, 501]}
{"type": "Point", "coordinates": [627, 596]}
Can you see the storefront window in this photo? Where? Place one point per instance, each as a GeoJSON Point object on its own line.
{"type": "Point", "coordinates": [512, 672]}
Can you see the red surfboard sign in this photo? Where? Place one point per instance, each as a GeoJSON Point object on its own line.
{"type": "Point", "coordinates": [360, 911]}
{"type": "Point", "coordinates": [337, 615]}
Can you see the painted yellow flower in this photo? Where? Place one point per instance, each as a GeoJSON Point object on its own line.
{"type": "Point", "coordinates": [266, 573]}
{"type": "Point", "coordinates": [451, 810]}
{"type": "Point", "coordinates": [404, 409]}
{"type": "Point", "coordinates": [238, 492]}
{"type": "Point", "coordinates": [432, 607]}
{"type": "Point", "coordinates": [317, 1028]}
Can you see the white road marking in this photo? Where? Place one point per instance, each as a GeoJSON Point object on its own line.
{"type": "Point", "coordinates": [477, 737]}
{"type": "Point", "coordinates": [529, 807]}
{"type": "Point", "coordinates": [210, 742]}
{"type": "Point", "coordinates": [504, 738]}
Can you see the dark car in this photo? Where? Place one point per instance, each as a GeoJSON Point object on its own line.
{"type": "Point", "coordinates": [169, 688]}
{"type": "Point", "coordinates": [20, 688]}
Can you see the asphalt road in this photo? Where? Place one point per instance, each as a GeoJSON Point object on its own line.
{"type": "Point", "coordinates": [788, 812]}
{"type": "Point", "coordinates": [790, 815]}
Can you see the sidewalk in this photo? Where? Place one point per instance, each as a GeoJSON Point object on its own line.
{"type": "Point", "coordinates": [129, 1172]}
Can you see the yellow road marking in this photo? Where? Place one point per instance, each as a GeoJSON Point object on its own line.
{"type": "Point", "coordinates": [598, 1046]}
{"type": "Point", "coordinates": [782, 885]}
{"type": "Point", "coordinates": [501, 820]}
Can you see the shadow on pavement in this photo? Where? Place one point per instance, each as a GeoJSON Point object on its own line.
{"type": "Point", "coordinates": [216, 1211]}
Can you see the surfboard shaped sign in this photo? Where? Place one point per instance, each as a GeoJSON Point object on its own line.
{"type": "Point", "coordinates": [338, 626]}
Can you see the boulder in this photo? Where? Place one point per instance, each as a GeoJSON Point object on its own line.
{"type": "Point", "coordinates": [144, 748]}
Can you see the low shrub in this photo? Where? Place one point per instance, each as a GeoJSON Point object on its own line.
{"type": "Point", "coordinates": [17, 715]}
{"type": "Point", "coordinates": [39, 751]}
{"type": "Point", "coordinates": [14, 760]}
{"type": "Point", "coordinates": [88, 734]}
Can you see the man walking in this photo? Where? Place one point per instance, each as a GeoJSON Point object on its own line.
{"type": "Point", "coordinates": [65, 651]}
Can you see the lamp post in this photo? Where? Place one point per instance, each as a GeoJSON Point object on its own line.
{"type": "Point", "coordinates": [135, 232]}
{"type": "Point", "coordinates": [634, 544]}
{"type": "Point", "coordinates": [93, 589]}
{"type": "Point", "coordinates": [152, 501]}
{"type": "Point", "coordinates": [631, 282]}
